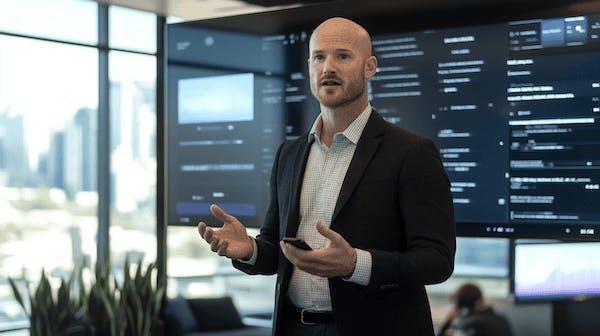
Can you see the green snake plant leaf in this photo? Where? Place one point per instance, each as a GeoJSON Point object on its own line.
{"type": "Point", "coordinates": [17, 295]}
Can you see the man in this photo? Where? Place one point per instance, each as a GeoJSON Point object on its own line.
{"type": "Point", "coordinates": [472, 317]}
{"type": "Point", "coordinates": [371, 199]}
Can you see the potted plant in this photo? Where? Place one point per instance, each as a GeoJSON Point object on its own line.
{"type": "Point", "coordinates": [53, 314]}
{"type": "Point", "coordinates": [130, 309]}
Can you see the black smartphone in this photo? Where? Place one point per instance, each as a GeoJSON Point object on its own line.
{"type": "Point", "coordinates": [299, 243]}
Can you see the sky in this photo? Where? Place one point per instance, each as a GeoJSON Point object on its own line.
{"type": "Point", "coordinates": [48, 82]}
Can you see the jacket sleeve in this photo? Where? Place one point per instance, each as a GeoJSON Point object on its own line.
{"type": "Point", "coordinates": [427, 211]}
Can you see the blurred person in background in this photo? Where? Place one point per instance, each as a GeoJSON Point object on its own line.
{"type": "Point", "coordinates": [471, 316]}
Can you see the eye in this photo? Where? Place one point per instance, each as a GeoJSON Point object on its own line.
{"type": "Point", "coordinates": [344, 56]}
{"type": "Point", "coordinates": [318, 57]}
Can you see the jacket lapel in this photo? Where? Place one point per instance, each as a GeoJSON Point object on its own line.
{"type": "Point", "coordinates": [365, 149]}
{"type": "Point", "coordinates": [297, 178]}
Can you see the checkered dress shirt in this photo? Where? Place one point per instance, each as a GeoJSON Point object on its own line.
{"type": "Point", "coordinates": [323, 177]}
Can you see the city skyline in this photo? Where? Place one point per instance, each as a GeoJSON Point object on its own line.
{"type": "Point", "coordinates": [69, 161]}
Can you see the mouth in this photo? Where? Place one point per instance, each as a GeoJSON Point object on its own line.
{"type": "Point", "coordinates": [330, 82]}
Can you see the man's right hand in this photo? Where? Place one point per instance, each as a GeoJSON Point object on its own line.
{"type": "Point", "coordinates": [231, 240]}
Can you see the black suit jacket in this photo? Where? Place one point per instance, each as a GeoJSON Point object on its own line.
{"type": "Point", "coordinates": [395, 202]}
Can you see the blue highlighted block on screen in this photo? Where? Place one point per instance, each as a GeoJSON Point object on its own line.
{"type": "Point", "coordinates": [203, 208]}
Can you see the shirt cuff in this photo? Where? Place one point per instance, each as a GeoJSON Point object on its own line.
{"type": "Point", "coordinates": [252, 260]}
{"type": "Point", "coordinates": [362, 270]}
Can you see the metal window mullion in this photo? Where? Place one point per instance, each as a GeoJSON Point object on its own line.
{"type": "Point", "coordinates": [103, 139]}
{"type": "Point", "coordinates": [161, 229]}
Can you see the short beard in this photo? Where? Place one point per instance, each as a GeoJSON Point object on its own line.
{"type": "Point", "coordinates": [346, 99]}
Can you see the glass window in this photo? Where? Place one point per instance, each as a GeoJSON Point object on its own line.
{"type": "Point", "coordinates": [133, 157]}
{"type": "Point", "coordinates": [48, 160]}
{"type": "Point", "coordinates": [132, 29]}
{"type": "Point", "coordinates": [481, 257]}
{"type": "Point", "coordinates": [52, 19]}
{"type": "Point", "coordinates": [483, 261]}
{"type": "Point", "coordinates": [174, 19]}
{"type": "Point", "coordinates": [195, 271]}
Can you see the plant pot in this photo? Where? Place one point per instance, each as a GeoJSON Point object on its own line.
{"type": "Point", "coordinates": [158, 328]}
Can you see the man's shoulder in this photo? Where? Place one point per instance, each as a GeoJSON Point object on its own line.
{"type": "Point", "coordinates": [396, 132]}
{"type": "Point", "coordinates": [297, 142]}
{"type": "Point", "coordinates": [293, 146]}
{"type": "Point", "coordinates": [400, 136]}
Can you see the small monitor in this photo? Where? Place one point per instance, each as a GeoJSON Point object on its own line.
{"type": "Point", "coordinates": [554, 271]}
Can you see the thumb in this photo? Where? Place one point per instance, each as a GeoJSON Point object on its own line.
{"type": "Point", "coordinates": [220, 214]}
{"type": "Point", "coordinates": [327, 232]}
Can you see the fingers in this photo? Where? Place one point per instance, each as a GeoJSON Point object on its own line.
{"type": "Point", "coordinates": [221, 214]}
{"type": "Point", "coordinates": [222, 251]}
{"type": "Point", "coordinates": [284, 249]}
{"type": "Point", "coordinates": [328, 233]}
{"type": "Point", "coordinates": [201, 229]}
{"type": "Point", "coordinates": [289, 252]}
{"type": "Point", "coordinates": [214, 244]}
{"type": "Point", "coordinates": [304, 260]}
{"type": "Point", "coordinates": [208, 234]}
{"type": "Point", "coordinates": [294, 254]}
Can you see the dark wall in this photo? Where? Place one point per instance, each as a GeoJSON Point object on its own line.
{"type": "Point", "coordinates": [384, 15]}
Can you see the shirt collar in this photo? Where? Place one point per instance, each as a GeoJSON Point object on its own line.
{"type": "Point", "coordinates": [352, 132]}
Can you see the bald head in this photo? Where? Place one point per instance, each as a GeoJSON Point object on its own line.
{"type": "Point", "coordinates": [340, 65]}
{"type": "Point", "coordinates": [341, 30]}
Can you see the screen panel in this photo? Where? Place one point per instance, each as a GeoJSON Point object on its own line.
{"type": "Point", "coordinates": [514, 109]}
{"type": "Point", "coordinates": [449, 86]}
{"type": "Point", "coordinates": [556, 271]}
{"type": "Point", "coordinates": [232, 99]}
{"type": "Point", "coordinates": [512, 106]}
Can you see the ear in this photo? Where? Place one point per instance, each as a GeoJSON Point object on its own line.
{"type": "Point", "coordinates": [370, 66]}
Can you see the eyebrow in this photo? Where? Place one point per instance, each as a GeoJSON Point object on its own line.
{"type": "Point", "coordinates": [336, 50]}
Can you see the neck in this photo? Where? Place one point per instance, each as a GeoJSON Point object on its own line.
{"type": "Point", "coordinates": [337, 119]}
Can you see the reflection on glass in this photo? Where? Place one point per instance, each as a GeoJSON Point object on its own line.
{"type": "Point", "coordinates": [195, 271]}
{"type": "Point", "coordinates": [54, 19]}
{"type": "Point", "coordinates": [48, 160]}
{"type": "Point", "coordinates": [133, 157]}
{"type": "Point", "coordinates": [481, 257]}
{"type": "Point", "coordinates": [483, 261]}
{"type": "Point", "coordinates": [132, 29]}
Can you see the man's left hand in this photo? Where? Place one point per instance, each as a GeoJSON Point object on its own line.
{"type": "Point", "coordinates": [338, 258]}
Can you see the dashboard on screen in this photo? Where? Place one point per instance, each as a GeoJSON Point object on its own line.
{"type": "Point", "coordinates": [556, 271]}
{"type": "Point", "coordinates": [232, 99]}
{"type": "Point", "coordinates": [513, 107]}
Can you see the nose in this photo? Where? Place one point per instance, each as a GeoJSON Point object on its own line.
{"type": "Point", "coordinates": [328, 65]}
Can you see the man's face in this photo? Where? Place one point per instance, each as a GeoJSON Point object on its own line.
{"type": "Point", "coordinates": [336, 68]}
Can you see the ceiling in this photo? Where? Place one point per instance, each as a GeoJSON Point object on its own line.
{"type": "Point", "coordinates": [189, 10]}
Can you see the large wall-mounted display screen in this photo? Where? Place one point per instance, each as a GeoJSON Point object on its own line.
{"type": "Point", "coordinates": [555, 271]}
{"type": "Point", "coordinates": [232, 99]}
{"type": "Point", "coordinates": [514, 108]}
